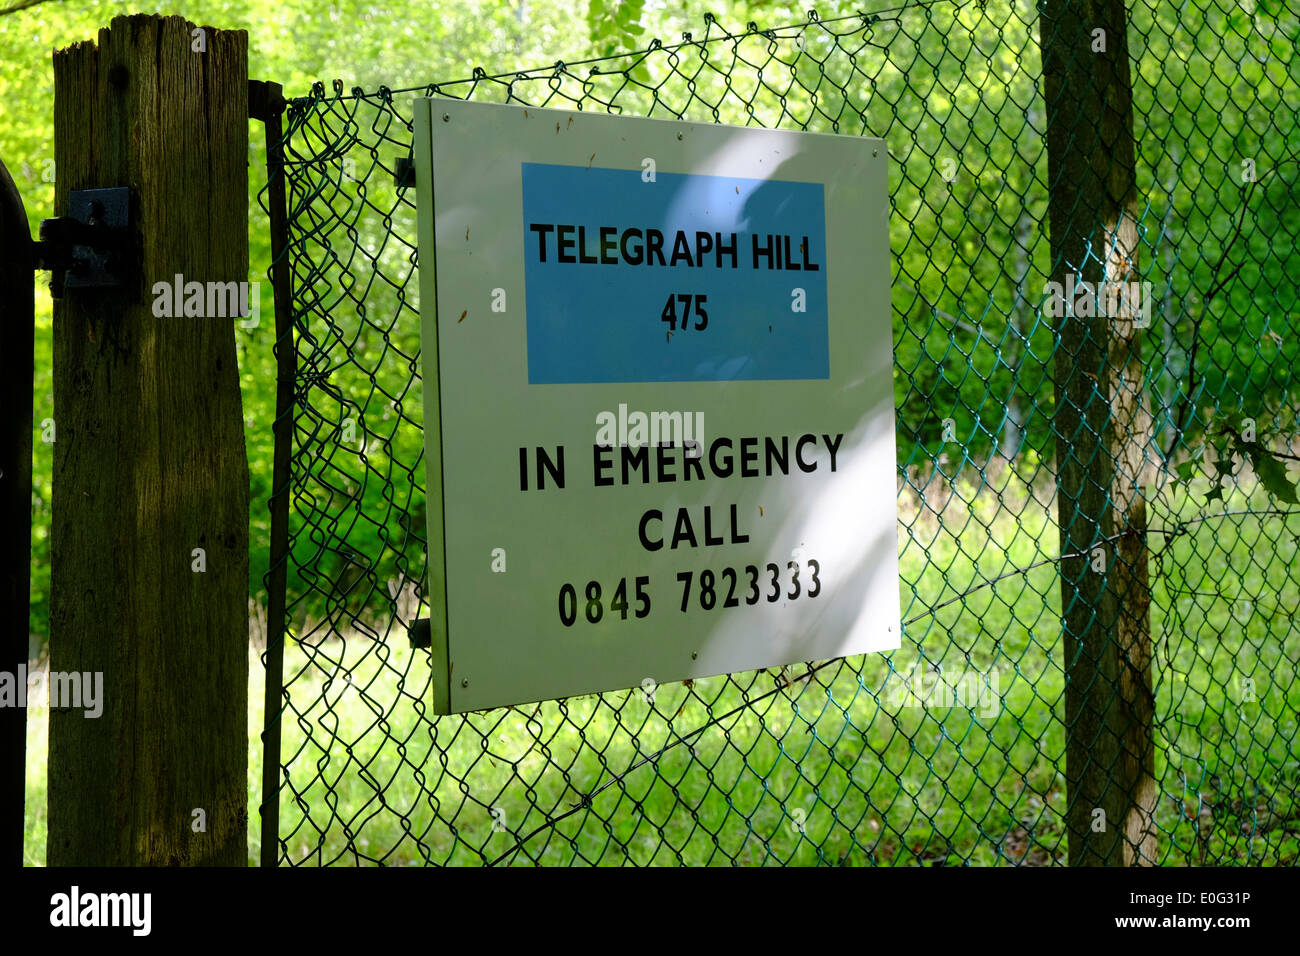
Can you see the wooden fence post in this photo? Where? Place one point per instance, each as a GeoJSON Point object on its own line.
{"type": "Point", "coordinates": [150, 499]}
{"type": "Point", "coordinates": [1102, 427]}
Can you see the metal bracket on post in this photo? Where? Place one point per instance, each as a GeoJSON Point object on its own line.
{"type": "Point", "coordinates": [93, 246]}
{"type": "Point", "coordinates": [404, 172]}
{"type": "Point", "coordinates": [420, 633]}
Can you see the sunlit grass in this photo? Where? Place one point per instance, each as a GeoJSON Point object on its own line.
{"type": "Point", "coordinates": [838, 768]}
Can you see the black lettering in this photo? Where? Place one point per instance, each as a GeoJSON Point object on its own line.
{"type": "Point", "coordinates": [709, 539]}
{"type": "Point", "coordinates": [561, 243]}
{"type": "Point", "coordinates": [651, 515]}
{"type": "Point", "coordinates": [692, 461]}
{"type": "Point", "coordinates": [782, 456]}
{"type": "Point", "coordinates": [736, 536]}
{"type": "Point", "coordinates": [638, 457]}
{"type": "Point", "coordinates": [749, 458]}
{"type": "Point", "coordinates": [683, 530]}
{"type": "Point", "coordinates": [664, 453]}
{"type": "Point", "coordinates": [635, 257]}
{"type": "Point", "coordinates": [545, 464]}
{"type": "Point", "coordinates": [703, 244]}
{"type": "Point", "coordinates": [681, 250]}
{"type": "Point", "coordinates": [789, 261]}
{"type": "Point", "coordinates": [600, 463]}
{"type": "Point", "coordinates": [713, 457]}
{"type": "Point", "coordinates": [766, 250]}
{"type": "Point", "coordinates": [654, 246]}
{"type": "Point", "coordinates": [541, 228]}
{"type": "Point", "coordinates": [608, 246]}
{"type": "Point", "coordinates": [721, 249]}
{"type": "Point", "coordinates": [833, 447]}
{"type": "Point", "coordinates": [810, 266]}
{"type": "Point", "coordinates": [798, 452]}
{"type": "Point", "coordinates": [582, 247]}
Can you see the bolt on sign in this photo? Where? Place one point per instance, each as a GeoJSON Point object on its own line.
{"type": "Point", "coordinates": [659, 408]}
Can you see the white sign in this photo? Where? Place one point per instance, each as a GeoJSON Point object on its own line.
{"type": "Point", "coordinates": [659, 404]}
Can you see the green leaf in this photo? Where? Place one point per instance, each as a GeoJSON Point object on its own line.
{"type": "Point", "coordinates": [641, 73]}
{"type": "Point", "coordinates": [1272, 475]}
{"type": "Point", "coordinates": [1215, 494]}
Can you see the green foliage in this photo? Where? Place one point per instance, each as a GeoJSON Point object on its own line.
{"type": "Point", "coordinates": [1238, 439]}
{"type": "Point", "coordinates": [396, 44]}
{"type": "Point", "coordinates": [968, 238]}
{"type": "Point", "coordinates": [1213, 86]}
{"type": "Point", "coordinates": [615, 25]}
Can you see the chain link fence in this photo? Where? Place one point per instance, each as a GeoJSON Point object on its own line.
{"type": "Point", "coordinates": [952, 749]}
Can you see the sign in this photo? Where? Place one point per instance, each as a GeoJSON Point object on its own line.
{"type": "Point", "coordinates": [659, 410]}
{"type": "Point", "coordinates": [687, 229]}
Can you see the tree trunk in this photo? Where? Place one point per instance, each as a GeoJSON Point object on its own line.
{"type": "Point", "coordinates": [1102, 432]}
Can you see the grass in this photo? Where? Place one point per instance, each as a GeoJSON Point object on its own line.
{"type": "Point", "coordinates": [836, 768]}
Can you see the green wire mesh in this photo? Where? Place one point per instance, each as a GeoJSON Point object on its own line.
{"type": "Point", "coordinates": [952, 749]}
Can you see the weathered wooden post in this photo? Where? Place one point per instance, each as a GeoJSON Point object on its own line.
{"type": "Point", "coordinates": [150, 499]}
{"type": "Point", "coordinates": [1102, 427]}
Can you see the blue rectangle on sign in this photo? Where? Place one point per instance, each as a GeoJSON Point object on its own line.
{"type": "Point", "coordinates": [616, 263]}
